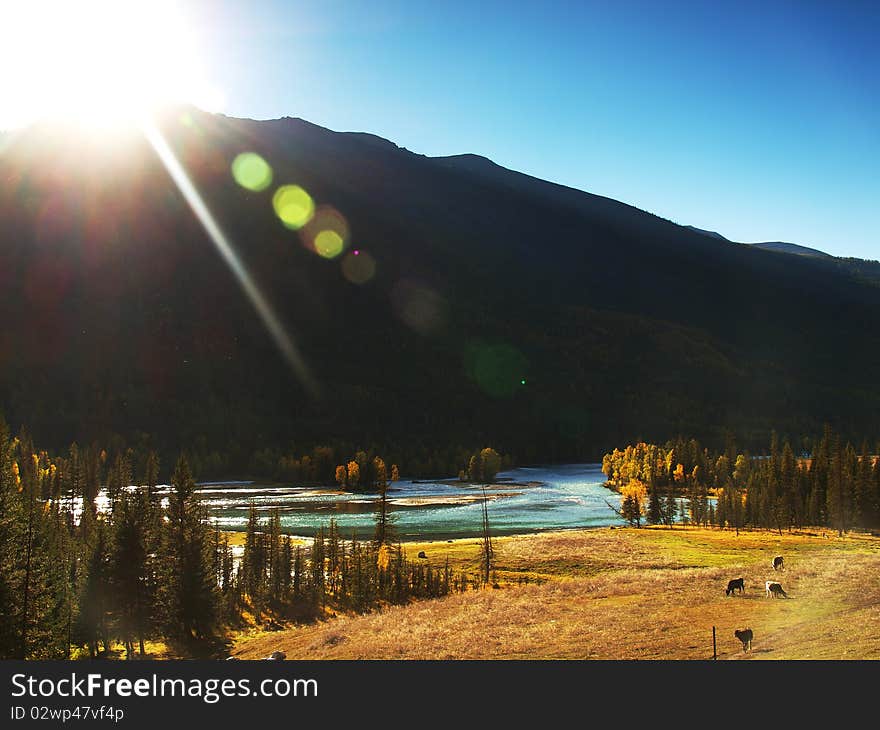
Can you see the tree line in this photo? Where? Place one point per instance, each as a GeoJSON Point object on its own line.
{"type": "Point", "coordinates": [319, 464]}
{"type": "Point", "coordinates": [88, 560]}
{"type": "Point", "coordinates": [828, 484]}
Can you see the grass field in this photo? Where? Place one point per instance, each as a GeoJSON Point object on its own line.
{"type": "Point", "coordinates": [650, 593]}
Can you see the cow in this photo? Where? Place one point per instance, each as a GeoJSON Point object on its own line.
{"type": "Point", "coordinates": [745, 636]}
{"type": "Point", "coordinates": [733, 585]}
{"type": "Point", "coordinates": [277, 656]}
{"type": "Point", "coordinates": [778, 563]}
{"type": "Point", "coordinates": [774, 589]}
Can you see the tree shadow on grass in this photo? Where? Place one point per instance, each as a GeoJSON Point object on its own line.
{"type": "Point", "coordinates": [211, 647]}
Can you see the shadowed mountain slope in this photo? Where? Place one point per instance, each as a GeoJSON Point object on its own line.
{"type": "Point", "coordinates": [121, 318]}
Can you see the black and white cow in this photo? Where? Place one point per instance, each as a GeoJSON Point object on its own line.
{"type": "Point", "coordinates": [774, 589]}
{"type": "Point", "coordinates": [778, 563]}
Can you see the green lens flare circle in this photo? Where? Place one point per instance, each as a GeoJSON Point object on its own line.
{"type": "Point", "coordinates": [329, 244]}
{"type": "Point", "coordinates": [251, 171]}
{"type": "Point", "coordinates": [293, 205]}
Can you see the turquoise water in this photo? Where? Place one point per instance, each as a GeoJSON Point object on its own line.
{"type": "Point", "coordinates": [565, 496]}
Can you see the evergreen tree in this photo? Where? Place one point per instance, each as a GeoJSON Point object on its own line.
{"type": "Point", "coordinates": [254, 560]}
{"type": "Point", "coordinates": [655, 507]}
{"type": "Point", "coordinates": [151, 473]}
{"type": "Point", "coordinates": [96, 597]}
{"type": "Point", "coordinates": [130, 572]}
{"type": "Point", "coordinates": [11, 539]}
{"type": "Point", "coordinates": [188, 589]}
{"type": "Point", "coordinates": [837, 493]}
{"type": "Point", "coordinates": [276, 568]}
{"type": "Point", "coordinates": [384, 533]}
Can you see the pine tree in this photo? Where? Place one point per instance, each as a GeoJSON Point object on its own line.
{"type": "Point", "coordinates": [151, 473]}
{"type": "Point", "coordinates": [319, 593]}
{"type": "Point", "coordinates": [788, 483]}
{"type": "Point", "coordinates": [254, 562]}
{"type": "Point", "coordinates": [188, 590]}
{"type": "Point", "coordinates": [131, 580]}
{"type": "Point", "coordinates": [862, 502]}
{"type": "Point", "coordinates": [12, 537]}
{"type": "Point", "coordinates": [276, 569]}
{"type": "Point", "coordinates": [836, 496]}
{"type": "Point", "coordinates": [384, 533]}
{"type": "Point", "coordinates": [682, 513]}
{"type": "Point", "coordinates": [670, 505]}
{"type": "Point", "coordinates": [96, 597]}
{"type": "Point", "coordinates": [655, 507]}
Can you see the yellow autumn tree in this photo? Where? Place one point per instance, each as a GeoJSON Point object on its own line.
{"type": "Point", "coordinates": [633, 495]}
{"type": "Point", "coordinates": [341, 475]}
{"type": "Point", "coordinates": [635, 489]}
{"type": "Point", "coordinates": [383, 558]}
{"type": "Point", "coordinates": [354, 474]}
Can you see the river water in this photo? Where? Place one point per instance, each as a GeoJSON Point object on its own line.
{"type": "Point", "coordinates": [527, 499]}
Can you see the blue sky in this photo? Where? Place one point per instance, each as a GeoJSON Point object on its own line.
{"type": "Point", "coordinates": [760, 120]}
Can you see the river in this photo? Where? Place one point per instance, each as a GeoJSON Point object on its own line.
{"type": "Point", "coordinates": [527, 499]}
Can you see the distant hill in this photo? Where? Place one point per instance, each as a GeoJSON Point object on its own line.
{"type": "Point", "coordinates": [714, 234]}
{"type": "Point", "coordinates": [793, 248]}
{"type": "Point", "coordinates": [866, 270]}
{"type": "Point", "coordinates": [506, 310]}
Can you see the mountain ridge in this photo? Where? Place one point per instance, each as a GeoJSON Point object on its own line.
{"type": "Point", "coordinates": [622, 324]}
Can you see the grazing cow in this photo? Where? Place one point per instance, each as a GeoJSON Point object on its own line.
{"type": "Point", "coordinates": [733, 585]}
{"type": "Point", "coordinates": [774, 589]}
{"type": "Point", "coordinates": [778, 563]}
{"type": "Point", "coordinates": [422, 554]}
{"type": "Point", "coordinates": [745, 636]}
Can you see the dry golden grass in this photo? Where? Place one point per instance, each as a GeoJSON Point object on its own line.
{"type": "Point", "coordinates": [623, 594]}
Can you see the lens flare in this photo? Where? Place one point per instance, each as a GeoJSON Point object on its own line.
{"type": "Point", "coordinates": [251, 171]}
{"type": "Point", "coordinates": [329, 244]}
{"type": "Point", "coordinates": [326, 233]}
{"type": "Point", "coordinates": [358, 267]}
{"type": "Point", "coordinates": [224, 246]}
{"type": "Point", "coordinates": [293, 205]}
{"type": "Point", "coordinates": [495, 367]}
{"type": "Point", "coordinates": [419, 306]}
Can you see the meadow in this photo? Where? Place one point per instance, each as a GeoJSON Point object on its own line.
{"type": "Point", "coordinates": [620, 593]}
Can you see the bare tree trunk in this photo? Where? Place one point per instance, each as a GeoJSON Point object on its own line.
{"type": "Point", "coordinates": [487, 540]}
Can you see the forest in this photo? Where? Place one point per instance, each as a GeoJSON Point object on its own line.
{"type": "Point", "coordinates": [75, 579]}
{"type": "Point", "coordinates": [827, 483]}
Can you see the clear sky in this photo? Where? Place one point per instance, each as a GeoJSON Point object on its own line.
{"type": "Point", "coordinates": [760, 120]}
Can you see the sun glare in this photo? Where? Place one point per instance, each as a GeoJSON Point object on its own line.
{"type": "Point", "coordinates": [99, 62]}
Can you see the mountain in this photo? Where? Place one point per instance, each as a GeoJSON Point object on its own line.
{"type": "Point", "coordinates": [714, 234]}
{"type": "Point", "coordinates": [792, 248]}
{"type": "Point", "coordinates": [504, 309]}
{"type": "Point", "coordinates": [868, 271]}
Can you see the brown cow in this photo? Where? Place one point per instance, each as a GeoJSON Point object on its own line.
{"type": "Point", "coordinates": [745, 636]}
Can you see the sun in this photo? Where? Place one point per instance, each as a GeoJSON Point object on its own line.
{"type": "Point", "coordinates": [99, 62]}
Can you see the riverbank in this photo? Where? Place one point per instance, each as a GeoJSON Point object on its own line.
{"type": "Point", "coordinates": [620, 593]}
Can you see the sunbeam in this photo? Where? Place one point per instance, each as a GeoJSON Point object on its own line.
{"type": "Point", "coordinates": [224, 246]}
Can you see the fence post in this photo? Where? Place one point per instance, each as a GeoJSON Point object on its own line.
{"type": "Point", "coordinates": [714, 652]}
